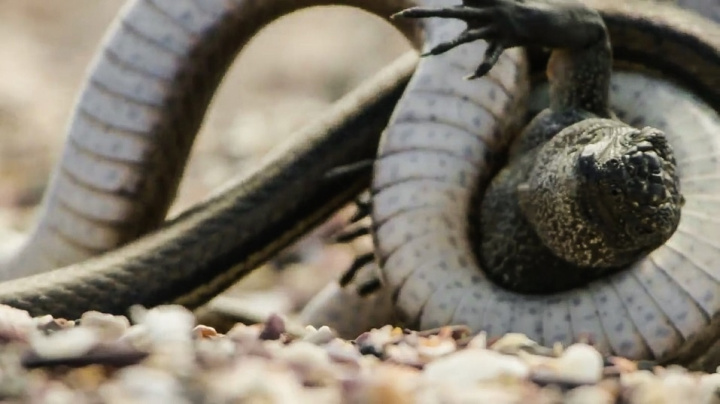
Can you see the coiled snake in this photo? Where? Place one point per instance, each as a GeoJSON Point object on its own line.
{"type": "Point", "coordinates": [154, 79]}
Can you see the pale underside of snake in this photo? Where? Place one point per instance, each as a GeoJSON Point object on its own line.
{"type": "Point", "coordinates": [130, 114]}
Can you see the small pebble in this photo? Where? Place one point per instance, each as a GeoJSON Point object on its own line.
{"type": "Point", "coordinates": [319, 336]}
{"type": "Point", "coordinates": [110, 327]}
{"type": "Point", "coordinates": [512, 343]}
{"type": "Point", "coordinates": [15, 325]}
{"type": "Point", "coordinates": [475, 365]}
{"type": "Point", "coordinates": [201, 331]}
{"type": "Point", "coordinates": [273, 328]}
{"type": "Point", "coordinates": [405, 354]}
{"type": "Point", "coordinates": [72, 342]}
{"type": "Point", "coordinates": [590, 395]}
{"type": "Point", "coordinates": [578, 364]}
{"type": "Point", "coordinates": [435, 347]}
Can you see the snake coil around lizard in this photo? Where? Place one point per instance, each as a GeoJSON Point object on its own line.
{"type": "Point", "coordinates": [664, 306]}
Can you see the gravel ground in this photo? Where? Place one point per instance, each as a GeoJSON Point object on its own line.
{"type": "Point", "coordinates": [164, 357]}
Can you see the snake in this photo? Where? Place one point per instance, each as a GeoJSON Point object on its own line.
{"type": "Point", "coordinates": [132, 128]}
{"type": "Point", "coordinates": [153, 79]}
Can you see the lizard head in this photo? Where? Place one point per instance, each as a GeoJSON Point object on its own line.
{"type": "Point", "coordinates": [630, 190]}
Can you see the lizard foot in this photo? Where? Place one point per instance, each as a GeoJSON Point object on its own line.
{"type": "Point", "coordinates": [488, 20]}
{"type": "Point", "coordinates": [505, 24]}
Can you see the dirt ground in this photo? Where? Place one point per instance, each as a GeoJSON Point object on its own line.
{"type": "Point", "coordinates": [289, 74]}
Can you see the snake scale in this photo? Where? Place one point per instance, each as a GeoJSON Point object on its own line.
{"type": "Point", "coordinates": [156, 88]}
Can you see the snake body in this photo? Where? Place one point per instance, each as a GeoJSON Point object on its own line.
{"type": "Point", "coordinates": [134, 123]}
{"type": "Point", "coordinates": [187, 260]}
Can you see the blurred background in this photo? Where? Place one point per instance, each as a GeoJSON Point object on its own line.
{"type": "Point", "coordinates": [288, 75]}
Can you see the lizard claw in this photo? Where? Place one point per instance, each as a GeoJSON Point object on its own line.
{"type": "Point", "coordinates": [467, 36]}
{"type": "Point", "coordinates": [492, 54]}
{"type": "Point", "coordinates": [462, 12]}
{"type": "Point", "coordinates": [484, 22]}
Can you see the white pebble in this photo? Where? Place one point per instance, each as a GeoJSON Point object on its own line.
{"type": "Point", "coordinates": [709, 386]}
{"type": "Point", "coordinates": [474, 365]}
{"type": "Point", "coordinates": [254, 380]}
{"type": "Point", "coordinates": [435, 347]}
{"type": "Point", "coordinates": [14, 322]}
{"type": "Point", "coordinates": [342, 351]}
{"type": "Point", "coordinates": [490, 394]}
{"type": "Point", "coordinates": [169, 328]}
{"type": "Point", "coordinates": [166, 323]}
{"type": "Point", "coordinates": [243, 333]}
{"type": "Point", "coordinates": [511, 343]}
{"type": "Point", "coordinates": [403, 353]}
{"type": "Point", "coordinates": [319, 336]}
{"type": "Point", "coordinates": [57, 393]}
{"type": "Point", "coordinates": [313, 359]}
{"type": "Point", "coordinates": [479, 341]}
{"type": "Point", "coordinates": [578, 364]}
{"type": "Point", "coordinates": [589, 395]}
{"type": "Point", "coordinates": [110, 327]}
{"type": "Point", "coordinates": [71, 342]}
{"type": "Point", "coordinates": [137, 336]}
{"type": "Point", "coordinates": [140, 384]}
